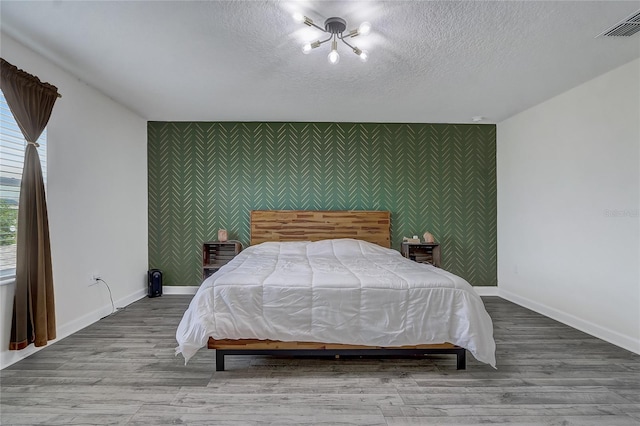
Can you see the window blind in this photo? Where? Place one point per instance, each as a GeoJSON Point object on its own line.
{"type": "Point", "coordinates": [12, 148]}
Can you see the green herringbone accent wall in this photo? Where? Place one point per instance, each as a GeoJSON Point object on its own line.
{"type": "Point", "coordinates": [432, 177]}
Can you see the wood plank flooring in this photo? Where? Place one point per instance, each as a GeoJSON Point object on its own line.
{"type": "Point", "coordinates": [122, 370]}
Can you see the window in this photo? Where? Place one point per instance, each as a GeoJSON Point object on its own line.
{"type": "Point", "coordinates": [12, 147]}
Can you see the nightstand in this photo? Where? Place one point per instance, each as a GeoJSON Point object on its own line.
{"type": "Point", "coordinates": [216, 254]}
{"type": "Point", "coordinates": [422, 252]}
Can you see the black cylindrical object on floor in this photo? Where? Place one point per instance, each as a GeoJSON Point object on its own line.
{"type": "Point", "coordinates": [154, 283]}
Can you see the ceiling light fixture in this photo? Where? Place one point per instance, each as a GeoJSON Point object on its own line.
{"type": "Point", "coordinates": [335, 27]}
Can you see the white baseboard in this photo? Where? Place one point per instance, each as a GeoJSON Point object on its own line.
{"type": "Point", "coordinates": [606, 334]}
{"type": "Point", "coordinates": [65, 330]}
{"type": "Point", "coordinates": [88, 319]}
{"type": "Point", "coordinates": [179, 289]}
{"type": "Point", "coordinates": [487, 290]}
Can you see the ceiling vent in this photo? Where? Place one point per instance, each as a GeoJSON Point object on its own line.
{"type": "Point", "coordinates": [625, 28]}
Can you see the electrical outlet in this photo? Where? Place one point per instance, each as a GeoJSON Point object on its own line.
{"type": "Point", "coordinates": [93, 279]}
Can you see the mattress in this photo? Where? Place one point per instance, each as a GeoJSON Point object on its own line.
{"type": "Point", "coordinates": [335, 291]}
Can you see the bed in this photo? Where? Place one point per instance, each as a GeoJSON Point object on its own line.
{"type": "Point", "coordinates": [327, 283]}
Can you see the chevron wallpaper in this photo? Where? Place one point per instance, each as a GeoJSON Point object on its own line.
{"type": "Point", "coordinates": [439, 178]}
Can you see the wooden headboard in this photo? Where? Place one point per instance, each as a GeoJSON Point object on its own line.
{"type": "Point", "coordinates": [312, 225]}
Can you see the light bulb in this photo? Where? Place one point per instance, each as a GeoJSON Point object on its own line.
{"type": "Point", "coordinates": [306, 48]}
{"type": "Point", "coordinates": [362, 54]}
{"type": "Point", "coordinates": [364, 28]}
{"type": "Point", "coordinates": [298, 17]}
{"type": "Point", "coordinates": [333, 57]}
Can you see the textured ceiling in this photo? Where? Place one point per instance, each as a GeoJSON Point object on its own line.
{"type": "Point", "coordinates": [430, 62]}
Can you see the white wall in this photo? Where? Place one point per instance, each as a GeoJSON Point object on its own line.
{"type": "Point", "coordinates": [568, 200]}
{"type": "Point", "coordinates": [97, 200]}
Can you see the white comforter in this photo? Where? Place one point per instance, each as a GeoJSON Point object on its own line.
{"type": "Point", "coordinates": [335, 291]}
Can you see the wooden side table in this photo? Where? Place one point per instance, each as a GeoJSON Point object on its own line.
{"type": "Point", "coordinates": [422, 252]}
{"type": "Point", "coordinates": [216, 254]}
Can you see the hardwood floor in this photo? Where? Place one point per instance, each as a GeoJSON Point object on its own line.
{"type": "Point", "coordinates": [122, 370]}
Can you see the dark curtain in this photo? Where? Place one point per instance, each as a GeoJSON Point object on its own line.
{"type": "Point", "coordinates": [34, 317]}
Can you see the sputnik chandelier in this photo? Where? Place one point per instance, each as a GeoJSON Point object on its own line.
{"type": "Point", "coordinates": [335, 27]}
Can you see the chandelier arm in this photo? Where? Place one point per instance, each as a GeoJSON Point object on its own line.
{"type": "Point", "coordinates": [324, 41]}
{"type": "Point", "coordinates": [353, 33]}
{"type": "Point", "coordinates": [343, 40]}
{"type": "Point", "coordinates": [312, 24]}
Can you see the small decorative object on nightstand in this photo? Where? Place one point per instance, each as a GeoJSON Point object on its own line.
{"type": "Point", "coordinates": [222, 235]}
{"type": "Point", "coordinates": [422, 252]}
{"type": "Point", "coordinates": [413, 240]}
{"type": "Point", "coordinates": [428, 237]}
{"type": "Point", "coordinates": [216, 254]}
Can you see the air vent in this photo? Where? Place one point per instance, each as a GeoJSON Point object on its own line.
{"type": "Point", "coordinates": [625, 28]}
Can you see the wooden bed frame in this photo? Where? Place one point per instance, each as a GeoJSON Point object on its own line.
{"type": "Point", "coordinates": [307, 225]}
